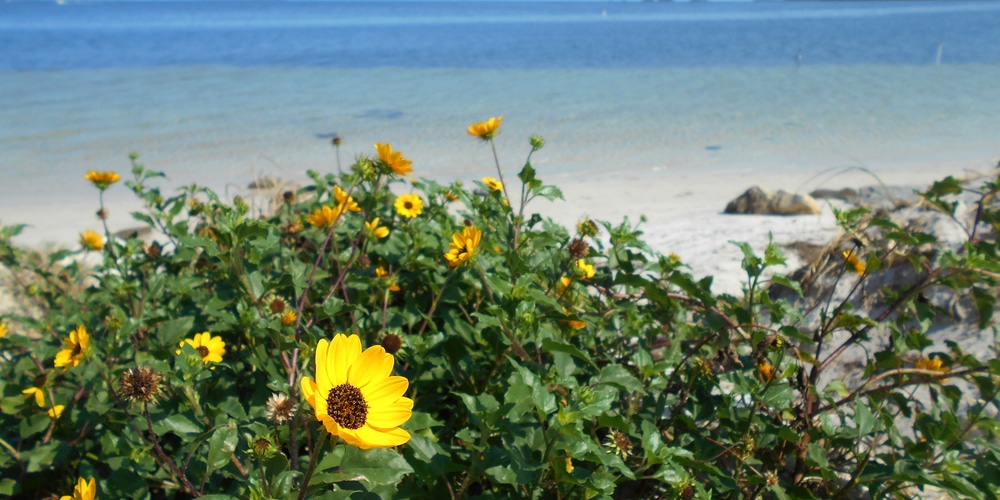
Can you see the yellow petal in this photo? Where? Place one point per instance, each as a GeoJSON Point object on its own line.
{"type": "Point", "coordinates": [322, 374]}
{"type": "Point", "coordinates": [386, 391]}
{"type": "Point", "coordinates": [345, 351]}
{"type": "Point", "coordinates": [370, 437]}
{"type": "Point", "coordinates": [388, 416]}
{"type": "Point", "coordinates": [373, 365]}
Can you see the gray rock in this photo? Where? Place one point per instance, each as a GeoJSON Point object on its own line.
{"type": "Point", "coordinates": [758, 200]}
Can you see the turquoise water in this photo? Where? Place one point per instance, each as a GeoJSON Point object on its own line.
{"type": "Point", "coordinates": [701, 88]}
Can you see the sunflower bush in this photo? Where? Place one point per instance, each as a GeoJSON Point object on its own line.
{"type": "Point", "coordinates": [378, 337]}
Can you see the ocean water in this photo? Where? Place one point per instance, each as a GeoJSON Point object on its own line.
{"type": "Point", "coordinates": [216, 92]}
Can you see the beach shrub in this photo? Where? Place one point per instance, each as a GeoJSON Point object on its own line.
{"type": "Point", "coordinates": [487, 352]}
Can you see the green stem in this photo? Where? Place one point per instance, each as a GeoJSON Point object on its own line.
{"type": "Point", "coordinates": [313, 458]}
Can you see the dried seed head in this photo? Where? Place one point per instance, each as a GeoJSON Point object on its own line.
{"type": "Point", "coordinates": [578, 249]}
{"type": "Point", "coordinates": [140, 384]}
{"type": "Point", "coordinates": [102, 214]}
{"type": "Point", "coordinates": [364, 261]}
{"type": "Point", "coordinates": [391, 343]}
{"type": "Point", "coordinates": [288, 196]}
{"type": "Point", "coordinates": [153, 250]}
{"type": "Point", "coordinates": [620, 443]}
{"type": "Point", "coordinates": [586, 228]}
{"type": "Point", "coordinates": [279, 409]}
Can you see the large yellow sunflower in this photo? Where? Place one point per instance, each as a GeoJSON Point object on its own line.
{"type": "Point", "coordinates": [463, 246]}
{"type": "Point", "coordinates": [84, 490]}
{"type": "Point", "coordinates": [486, 130]}
{"type": "Point", "coordinates": [354, 395]}
{"type": "Point", "coordinates": [394, 159]}
{"type": "Point", "coordinates": [210, 348]}
{"type": "Point", "coordinates": [75, 348]}
{"type": "Point", "coordinates": [409, 205]}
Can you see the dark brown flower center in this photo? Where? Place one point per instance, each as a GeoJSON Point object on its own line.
{"type": "Point", "coordinates": [407, 205]}
{"type": "Point", "coordinates": [77, 349]}
{"type": "Point", "coordinates": [203, 351]}
{"type": "Point", "coordinates": [346, 405]}
{"type": "Point", "coordinates": [277, 306]}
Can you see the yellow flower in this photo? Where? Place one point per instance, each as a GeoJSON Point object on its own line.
{"type": "Point", "coordinates": [409, 205]}
{"type": "Point", "coordinates": [354, 395]}
{"type": "Point", "coordinates": [288, 319]}
{"type": "Point", "coordinates": [564, 283]}
{"type": "Point", "coordinates": [379, 232]}
{"type": "Point", "coordinates": [450, 196]}
{"type": "Point", "coordinates": [393, 159]}
{"type": "Point", "coordinates": [324, 216]}
{"type": "Point", "coordinates": [38, 393]}
{"type": "Point", "coordinates": [102, 179]}
{"type": "Point", "coordinates": [210, 348]}
{"type": "Point", "coordinates": [83, 491]}
{"type": "Point", "coordinates": [3, 329]}
{"type": "Point", "coordinates": [583, 269]}
{"type": "Point", "coordinates": [933, 364]}
{"type": "Point", "coordinates": [576, 324]}
{"type": "Point", "coordinates": [569, 465]}
{"type": "Point", "coordinates": [486, 130]}
{"type": "Point", "coordinates": [74, 349]}
{"type": "Point", "coordinates": [765, 370]}
{"type": "Point", "coordinates": [56, 411]}
{"type": "Point", "coordinates": [344, 201]}
{"type": "Point", "coordinates": [463, 246]}
{"type": "Point", "coordinates": [493, 184]}
{"type": "Point", "coordinates": [91, 240]}
{"type": "Point", "coordinates": [855, 262]}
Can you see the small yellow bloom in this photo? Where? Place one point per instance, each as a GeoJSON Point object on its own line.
{"type": "Point", "coordinates": [493, 184]}
{"type": "Point", "coordinates": [584, 270]}
{"type": "Point", "coordinates": [83, 491]}
{"type": "Point", "coordinates": [344, 202]}
{"type": "Point", "coordinates": [450, 196]}
{"type": "Point", "coordinates": [355, 396]}
{"type": "Point", "coordinates": [576, 324]}
{"type": "Point", "coordinates": [463, 246]}
{"type": "Point", "coordinates": [766, 371]}
{"type": "Point", "coordinates": [91, 240]}
{"type": "Point", "coordinates": [379, 232]}
{"type": "Point", "coordinates": [569, 465]}
{"type": "Point", "coordinates": [210, 348]}
{"type": "Point", "coordinates": [393, 159]}
{"type": "Point", "coordinates": [102, 179]}
{"type": "Point", "coordinates": [56, 411]}
{"type": "Point", "coordinates": [3, 329]}
{"type": "Point", "coordinates": [323, 216]}
{"type": "Point", "coordinates": [288, 319]}
{"type": "Point", "coordinates": [933, 364]}
{"type": "Point", "coordinates": [855, 262]}
{"type": "Point", "coordinates": [409, 205]}
{"type": "Point", "coordinates": [75, 348]}
{"type": "Point", "coordinates": [486, 130]}
{"type": "Point", "coordinates": [38, 393]}
{"type": "Point", "coordinates": [564, 283]}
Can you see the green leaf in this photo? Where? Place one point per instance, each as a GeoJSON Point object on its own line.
{"type": "Point", "coordinates": [374, 467]}
{"type": "Point", "coordinates": [256, 284]}
{"type": "Point", "coordinates": [618, 375]}
{"type": "Point", "coordinates": [172, 331]}
{"type": "Point", "coordinates": [863, 419]}
{"type": "Point", "coordinates": [985, 303]}
{"type": "Point", "coordinates": [778, 396]}
{"type": "Point", "coordinates": [499, 284]}
{"type": "Point", "coordinates": [221, 446]}
{"type": "Point", "coordinates": [551, 345]}
{"type": "Point", "coordinates": [180, 424]}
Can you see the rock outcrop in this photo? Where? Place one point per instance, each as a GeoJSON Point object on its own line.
{"type": "Point", "coordinates": [758, 200]}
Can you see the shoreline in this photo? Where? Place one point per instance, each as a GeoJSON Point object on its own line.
{"type": "Point", "coordinates": [682, 209]}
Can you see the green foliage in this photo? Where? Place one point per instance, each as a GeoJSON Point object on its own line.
{"type": "Point", "coordinates": [533, 374]}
